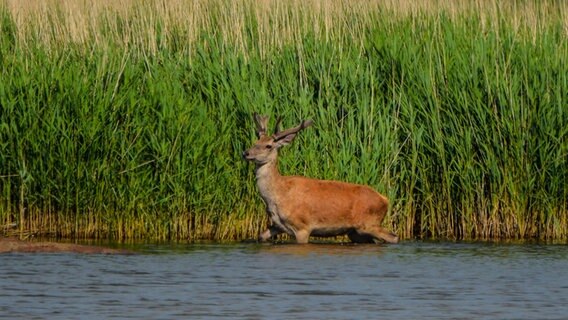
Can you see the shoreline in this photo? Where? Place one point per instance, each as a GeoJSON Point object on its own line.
{"type": "Point", "coordinates": [15, 245]}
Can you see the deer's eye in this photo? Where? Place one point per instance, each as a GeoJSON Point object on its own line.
{"type": "Point", "coordinates": [268, 146]}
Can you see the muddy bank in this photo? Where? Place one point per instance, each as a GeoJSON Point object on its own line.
{"type": "Point", "coordinates": [15, 245]}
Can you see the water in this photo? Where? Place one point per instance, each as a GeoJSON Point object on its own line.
{"type": "Point", "coordinates": [410, 280]}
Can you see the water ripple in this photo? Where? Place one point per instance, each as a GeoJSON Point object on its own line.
{"type": "Point", "coordinates": [321, 281]}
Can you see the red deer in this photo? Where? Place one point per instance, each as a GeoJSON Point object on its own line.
{"type": "Point", "coordinates": [304, 207]}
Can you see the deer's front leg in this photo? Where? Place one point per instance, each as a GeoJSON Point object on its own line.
{"type": "Point", "coordinates": [269, 233]}
{"type": "Point", "coordinates": [302, 236]}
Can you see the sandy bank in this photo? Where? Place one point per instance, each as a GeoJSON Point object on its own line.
{"type": "Point", "coordinates": [11, 244]}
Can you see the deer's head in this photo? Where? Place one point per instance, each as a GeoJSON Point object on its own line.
{"type": "Point", "coordinates": [266, 148]}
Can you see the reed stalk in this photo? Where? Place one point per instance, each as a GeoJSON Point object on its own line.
{"type": "Point", "coordinates": [127, 119]}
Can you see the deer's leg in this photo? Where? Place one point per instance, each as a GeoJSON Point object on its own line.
{"type": "Point", "coordinates": [269, 233]}
{"type": "Point", "coordinates": [381, 233]}
{"type": "Point", "coordinates": [387, 235]}
{"type": "Point", "coordinates": [357, 237]}
{"type": "Point", "coordinates": [302, 236]}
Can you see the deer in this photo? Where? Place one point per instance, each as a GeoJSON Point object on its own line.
{"type": "Point", "coordinates": [302, 207]}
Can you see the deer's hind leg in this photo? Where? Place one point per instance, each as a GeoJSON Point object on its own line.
{"type": "Point", "coordinates": [358, 237]}
{"type": "Point", "coordinates": [376, 233]}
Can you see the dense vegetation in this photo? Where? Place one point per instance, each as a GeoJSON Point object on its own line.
{"type": "Point", "coordinates": [128, 119]}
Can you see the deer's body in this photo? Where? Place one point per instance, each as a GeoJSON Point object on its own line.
{"type": "Point", "coordinates": [302, 206]}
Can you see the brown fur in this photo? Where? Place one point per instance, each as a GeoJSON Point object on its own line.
{"type": "Point", "coordinates": [302, 206]}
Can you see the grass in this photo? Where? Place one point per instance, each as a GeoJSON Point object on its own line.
{"type": "Point", "coordinates": [127, 119]}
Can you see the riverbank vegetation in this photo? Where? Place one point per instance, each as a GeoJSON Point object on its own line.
{"type": "Point", "coordinates": [127, 119]}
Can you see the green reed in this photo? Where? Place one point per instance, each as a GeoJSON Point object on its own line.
{"type": "Point", "coordinates": [132, 124]}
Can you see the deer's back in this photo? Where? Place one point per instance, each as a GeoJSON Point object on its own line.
{"type": "Point", "coordinates": [331, 202]}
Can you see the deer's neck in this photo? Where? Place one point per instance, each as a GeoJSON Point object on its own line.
{"type": "Point", "coordinates": [267, 178]}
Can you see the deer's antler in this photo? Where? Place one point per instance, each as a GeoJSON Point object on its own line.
{"type": "Point", "coordinates": [281, 134]}
{"type": "Point", "coordinates": [261, 123]}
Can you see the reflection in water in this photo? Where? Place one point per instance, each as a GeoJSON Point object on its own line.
{"type": "Point", "coordinates": [321, 281]}
{"type": "Point", "coordinates": [312, 249]}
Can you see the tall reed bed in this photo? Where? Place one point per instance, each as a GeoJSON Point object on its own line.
{"type": "Point", "coordinates": [127, 119]}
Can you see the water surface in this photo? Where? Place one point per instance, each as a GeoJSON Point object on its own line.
{"type": "Point", "coordinates": [318, 281]}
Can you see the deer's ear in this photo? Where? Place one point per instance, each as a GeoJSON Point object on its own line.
{"type": "Point", "coordinates": [286, 140]}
